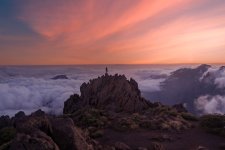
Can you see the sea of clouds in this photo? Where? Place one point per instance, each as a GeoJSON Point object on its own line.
{"type": "Point", "coordinates": [208, 104]}
{"type": "Point", "coordinates": [29, 88]}
{"type": "Point", "coordinates": [30, 94]}
{"type": "Point", "coordinates": [211, 104]}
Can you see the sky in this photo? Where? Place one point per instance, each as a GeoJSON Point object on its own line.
{"type": "Point", "coordinates": [52, 32]}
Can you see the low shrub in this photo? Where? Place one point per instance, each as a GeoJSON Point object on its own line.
{"type": "Point", "coordinates": [213, 123]}
{"type": "Point", "coordinates": [7, 134]}
{"type": "Point", "coordinates": [189, 117]}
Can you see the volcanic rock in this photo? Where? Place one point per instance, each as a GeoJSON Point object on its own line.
{"type": "Point", "coordinates": [112, 93]}
{"type": "Point", "coordinates": [40, 131]}
{"type": "Point", "coordinates": [73, 104]}
{"type": "Point", "coordinates": [67, 136]}
{"type": "Point", "coordinates": [20, 114]}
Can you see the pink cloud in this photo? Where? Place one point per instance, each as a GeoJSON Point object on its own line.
{"type": "Point", "coordinates": [128, 31]}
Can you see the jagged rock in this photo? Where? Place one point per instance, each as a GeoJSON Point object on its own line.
{"type": "Point", "coordinates": [40, 131]}
{"type": "Point", "coordinates": [35, 141]}
{"type": "Point", "coordinates": [112, 93]}
{"type": "Point", "coordinates": [72, 104]}
{"type": "Point", "coordinates": [33, 123]}
{"type": "Point", "coordinates": [60, 77]}
{"type": "Point", "coordinates": [20, 114]}
{"type": "Point", "coordinates": [67, 136]}
{"type": "Point", "coordinates": [124, 108]}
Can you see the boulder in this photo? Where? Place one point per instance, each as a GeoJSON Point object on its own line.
{"type": "Point", "coordinates": [36, 121]}
{"type": "Point", "coordinates": [44, 132]}
{"type": "Point", "coordinates": [67, 136]}
{"type": "Point", "coordinates": [20, 114]}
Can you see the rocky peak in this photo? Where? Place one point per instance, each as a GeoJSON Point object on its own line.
{"type": "Point", "coordinates": [111, 92]}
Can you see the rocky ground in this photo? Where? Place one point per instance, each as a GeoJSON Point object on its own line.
{"type": "Point", "coordinates": [110, 114]}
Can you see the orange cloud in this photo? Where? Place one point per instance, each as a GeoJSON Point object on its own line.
{"type": "Point", "coordinates": [128, 31]}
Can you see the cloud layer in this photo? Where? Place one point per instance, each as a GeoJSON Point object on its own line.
{"type": "Point", "coordinates": [211, 104]}
{"type": "Point", "coordinates": [30, 94]}
{"type": "Point", "coordinates": [31, 88]}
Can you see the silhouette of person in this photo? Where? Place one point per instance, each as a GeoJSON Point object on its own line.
{"type": "Point", "coordinates": [106, 70]}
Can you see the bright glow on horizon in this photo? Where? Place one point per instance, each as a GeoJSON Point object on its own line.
{"type": "Point", "coordinates": [112, 32]}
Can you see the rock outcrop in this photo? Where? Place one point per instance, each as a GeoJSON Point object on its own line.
{"type": "Point", "coordinates": [114, 101]}
{"type": "Point", "coordinates": [67, 136]}
{"type": "Point", "coordinates": [112, 93]}
{"type": "Point", "coordinates": [60, 77]}
{"type": "Point", "coordinates": [40, 131]}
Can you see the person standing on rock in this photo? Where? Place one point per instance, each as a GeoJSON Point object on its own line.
{"type": "Point", "coordinates": [106, 71]}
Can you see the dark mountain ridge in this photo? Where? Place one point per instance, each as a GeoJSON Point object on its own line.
{"type": "Point", "coordinates": [186, 85]}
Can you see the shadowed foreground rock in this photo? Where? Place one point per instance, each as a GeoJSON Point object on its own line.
{"type": "Point", "coordinates": [42, 132]}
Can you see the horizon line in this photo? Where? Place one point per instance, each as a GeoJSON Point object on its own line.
{"type": "Point", "coordinates": [111, 64]}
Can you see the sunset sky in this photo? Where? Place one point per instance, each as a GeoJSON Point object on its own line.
{"type": "Point", "coordinates": [111, 31]}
